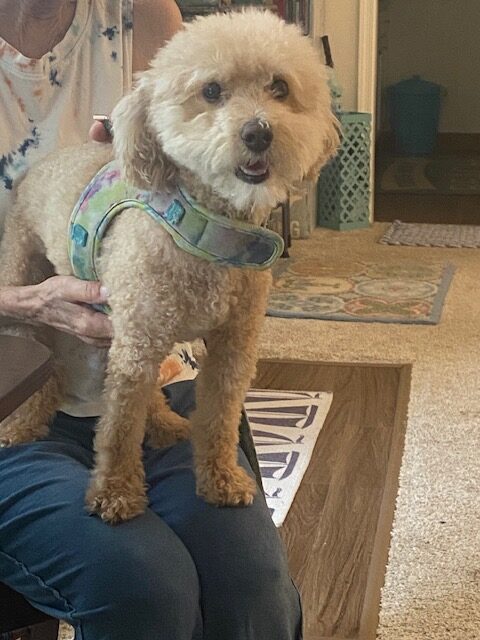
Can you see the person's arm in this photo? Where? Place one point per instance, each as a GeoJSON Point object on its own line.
{"type": "Point", "coordinates": [154, 23]}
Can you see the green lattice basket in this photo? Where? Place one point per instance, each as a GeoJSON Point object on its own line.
{"type": "Point", "coordinates": [343, 196]}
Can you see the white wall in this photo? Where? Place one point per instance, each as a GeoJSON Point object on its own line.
{"type": "Point", "coordinates": [440, 40]}
{"type": "Point", "coordinates": [339, 20]}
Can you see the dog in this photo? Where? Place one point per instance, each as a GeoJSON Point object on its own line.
{"type": "Point", "coordinates": [235, 111]}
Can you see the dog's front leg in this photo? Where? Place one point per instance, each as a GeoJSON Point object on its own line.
{"type": "Point", "coordinates": [117, 490]}
{"type": "Point", "coordinates": [222, 384]}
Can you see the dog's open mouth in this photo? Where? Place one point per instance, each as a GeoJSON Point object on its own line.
{"type": "Point", "coordinates": [253, 172]}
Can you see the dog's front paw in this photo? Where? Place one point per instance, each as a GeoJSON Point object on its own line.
{"type": "Point", "coordinates": [225, 486]}
{"type": "Point", "coordinates": [115, 502]}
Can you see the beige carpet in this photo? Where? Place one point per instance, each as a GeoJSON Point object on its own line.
{"type": "Point", "coordinates": [432, 588]}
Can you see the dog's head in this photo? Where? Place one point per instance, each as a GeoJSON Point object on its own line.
{"type": "Point", "coordinates": [240, 101]}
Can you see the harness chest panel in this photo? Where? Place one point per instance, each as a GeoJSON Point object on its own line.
{"type": "Point", "coordinates": [206, 235]}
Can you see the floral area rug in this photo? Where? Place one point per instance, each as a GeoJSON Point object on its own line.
{"type": "Point", "coordinates": [407, 292]}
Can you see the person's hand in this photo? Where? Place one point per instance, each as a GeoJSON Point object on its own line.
{"type": "Point", "coordinates": [61, 302]}
{"type": "Point", "coordinates": [101, 129]}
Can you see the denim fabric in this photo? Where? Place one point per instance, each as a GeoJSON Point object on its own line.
{"type": "Point", "coordinates": [184, 570]}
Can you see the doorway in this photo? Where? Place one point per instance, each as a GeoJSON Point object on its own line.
{"type": "Point", "coordinates": [425, 181]}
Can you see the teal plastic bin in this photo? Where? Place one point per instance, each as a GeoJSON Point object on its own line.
{"type": "Point", "coordinates": [414, 109]}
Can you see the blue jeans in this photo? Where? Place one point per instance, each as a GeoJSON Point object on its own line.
{"type": "Point", "coordinates": [184, 570]}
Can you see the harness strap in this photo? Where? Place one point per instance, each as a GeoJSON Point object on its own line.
{"type": "Point", "coordinates": [204, 234]}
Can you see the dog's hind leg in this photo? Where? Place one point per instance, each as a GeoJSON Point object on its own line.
{"type": "Point", "coordinates": [22, 263]}
{"type": "Point", "coordinates": [164, 426]}
{"type": "Point", "coordinates": [21, 253]}
{"type": "Point", "coordinates": [222, 384]}
{"type": "Point", "coordinates": [31, 420]}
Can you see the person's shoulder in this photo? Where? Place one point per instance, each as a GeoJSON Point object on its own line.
{"type": "Point", "coordinates": [157, 10]}
{"type": "Point", "coordinates": [154, 22]}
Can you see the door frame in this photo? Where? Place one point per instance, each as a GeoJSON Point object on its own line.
{"type": "Point", "coordinates": [367, 76]}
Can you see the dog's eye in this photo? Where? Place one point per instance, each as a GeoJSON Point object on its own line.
{"type": "Point", "coordinates": [212, 92]}
{"type": "Point", "coordinates": [279, 89]}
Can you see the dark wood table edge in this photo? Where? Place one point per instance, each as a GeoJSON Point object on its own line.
{"type": "Point", "coordinates": [35, 379]}
{"type": "Point", "coordinates": [369, 618]}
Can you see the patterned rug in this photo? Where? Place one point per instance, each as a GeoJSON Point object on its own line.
{"type": "Point", "coordinates": [285, 426]}
{"type": "Point", "coordinates": [407, 293]}
{"type": "Point", "coordinates": [438, 174]}
{"type": "Point", "coordinates": [432, 235]}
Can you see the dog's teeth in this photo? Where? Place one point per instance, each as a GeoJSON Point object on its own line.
{"type": "Point", "coordinates": [258, 172]}
{"type": "Point", "coordinates": [253, 173]}
{"type": "Point", "coordinates": [256, 169]}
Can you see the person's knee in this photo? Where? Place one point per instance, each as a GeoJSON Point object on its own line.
{"type": "Point", "coordinates": [255, 592]}
{"type": "Point", "coordinates": [261, 574]}
{"type": "Point", "coordinates": [266, 585]}
{"type": "Point", "coordinates": [133, 587]}
{"type": "Point", "coordinates": [157, 595]}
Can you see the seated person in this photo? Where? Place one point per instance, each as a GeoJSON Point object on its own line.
{"type": "Point", "coordinates": [184, 570]}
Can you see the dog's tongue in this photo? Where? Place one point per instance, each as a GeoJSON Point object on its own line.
{"type": "Point", "coordinates": [256, 168]}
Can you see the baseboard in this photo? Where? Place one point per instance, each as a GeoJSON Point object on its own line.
{"type": "Point", "coordinates": [459, 142]}
{"type": "Point", "coordinates": [446, 142]}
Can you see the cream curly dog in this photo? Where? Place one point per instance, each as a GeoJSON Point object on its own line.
{"type": "Point", "coordinates": [236, 110]}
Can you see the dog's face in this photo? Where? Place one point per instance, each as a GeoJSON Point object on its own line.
{"type": "Point", "coordinates": [240, 101]}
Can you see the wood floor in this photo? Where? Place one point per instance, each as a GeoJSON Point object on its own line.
{"type": "Point", "coordinates": [426, 208]}
{"type": "Point", "coordinates": [430, 208]}
{"type": "Point", "coordinates": [337, 531]}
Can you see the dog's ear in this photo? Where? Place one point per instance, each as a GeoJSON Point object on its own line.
{"type": "Point", "coordinates": [331, 141]}
{"type": "Point", "coordinates": [137, 149]}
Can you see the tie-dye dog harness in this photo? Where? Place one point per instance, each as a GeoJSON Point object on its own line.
{"type": "Point", "coordinates": [193, 228]}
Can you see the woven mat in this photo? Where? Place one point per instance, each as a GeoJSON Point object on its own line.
{"type": "Point", "coordinates": [432, 235]}
{"type": "Point", "coordinates": [285, 426]}
{"type": "Point", "coordinates": [405, 292]}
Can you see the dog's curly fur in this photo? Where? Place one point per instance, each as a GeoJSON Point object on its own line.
{"type": "Point", "coordinates": [166, 132]}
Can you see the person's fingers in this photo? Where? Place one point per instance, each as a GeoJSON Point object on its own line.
{"type": "Point", "coordinates": [96, 342]}
{"type": "Point", "coordinates": [81, 321]}
{"type": "Point", "coordinates": [92, 324]}
{"type": "Point", "coordinates": [75, 290]}
{"type": "Point", "coordinates": [98, 132]}
{"type": "Point", "coordinates": [63, 302]}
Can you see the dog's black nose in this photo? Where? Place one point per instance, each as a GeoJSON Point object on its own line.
{"type": "Point", "coordinates": [257, 135]}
